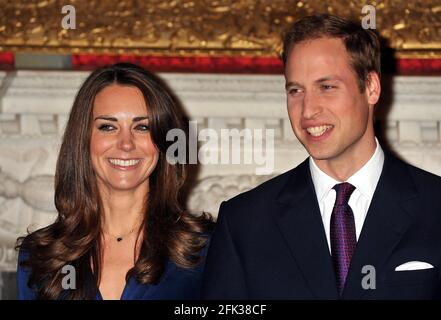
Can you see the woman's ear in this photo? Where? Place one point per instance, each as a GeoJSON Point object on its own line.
{"type": "Point", "coordinates": [373, 88]}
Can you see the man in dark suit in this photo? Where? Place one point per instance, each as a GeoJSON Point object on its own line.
{"type": "Point", "coordinates": [351, 221]}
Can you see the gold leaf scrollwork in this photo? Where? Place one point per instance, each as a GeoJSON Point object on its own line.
{"type": "Point", "coordinates": [210, 27]}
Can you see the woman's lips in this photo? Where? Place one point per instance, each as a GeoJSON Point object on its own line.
{"type": "Point", "coordinates": [124, 164]}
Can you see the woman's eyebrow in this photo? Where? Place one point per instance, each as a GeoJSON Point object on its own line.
{"type": "Point", "coordinates": [136, 119]}
{"type": "Point", "coordinates": [109, 118]}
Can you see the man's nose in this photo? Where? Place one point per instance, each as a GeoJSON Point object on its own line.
{"type": "Point", "coordinates": [310, 106]}
{"type": "Point", "coordinates": [126, 140]}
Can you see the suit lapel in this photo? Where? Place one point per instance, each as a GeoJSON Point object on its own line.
{"type": "Point", "coordinates": [301, 225]}
{"type": "Point", "coordinates": [386, 222]}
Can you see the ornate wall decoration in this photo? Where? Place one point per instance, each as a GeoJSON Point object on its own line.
{"type": "Point", "coordinates": [207, 27]}
{"type": "Point", "coordinates": [209, 193]}
{"type": "Point", "coordinates": [35, 191]}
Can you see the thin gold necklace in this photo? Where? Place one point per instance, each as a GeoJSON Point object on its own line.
{"type": "Point", "coordinates": [120, 237]}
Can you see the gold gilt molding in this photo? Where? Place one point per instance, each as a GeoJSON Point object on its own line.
{"type": "Point", "coordinates": [208, 27]}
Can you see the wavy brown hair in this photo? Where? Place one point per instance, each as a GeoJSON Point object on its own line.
{"type": "Point", "coordinates": [170, 232]}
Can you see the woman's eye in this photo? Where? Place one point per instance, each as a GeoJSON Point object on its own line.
{"type": "Point", "coordinates": [105, 127]}
{"type": "Point", "coordinates": [143, 127]}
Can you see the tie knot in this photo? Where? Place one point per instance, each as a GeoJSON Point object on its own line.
{"type": "Point", "coordinates": [344, 191]}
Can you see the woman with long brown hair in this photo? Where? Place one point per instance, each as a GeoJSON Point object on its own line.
{"type": "Point", "coordinates": [120, 232]}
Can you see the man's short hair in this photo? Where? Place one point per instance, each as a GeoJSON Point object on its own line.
{"type": "Point", "coordinates": [363, 46]}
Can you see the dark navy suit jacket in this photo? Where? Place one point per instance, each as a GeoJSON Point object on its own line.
{"type": "Point", "coordinates": [176, 284]}
{"type": "Point", "coordinates": [270, 243]}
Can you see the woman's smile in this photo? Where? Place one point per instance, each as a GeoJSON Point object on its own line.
{"type": "Point", "coordinates": [124, 164]}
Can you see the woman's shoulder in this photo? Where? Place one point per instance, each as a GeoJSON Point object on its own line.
{"type": "Point", "coordinates": [198, 267]}
{"type": "Point", "coordinates": [24, 291]}
{"type": "Point", "coordinates": [25, 246]}
{"type": "Point", "coordinates": [178, 282]}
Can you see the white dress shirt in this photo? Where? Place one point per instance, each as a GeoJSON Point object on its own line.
{"type": "Point", "coordinates": [364, 180]}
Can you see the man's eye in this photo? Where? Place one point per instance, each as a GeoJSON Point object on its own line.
{"type": "Point", "coordinates": [105, 127]}
{"type": "Point", "coordinates": [294, 91]}
{"type": "Point", "coordinates": [143, 127]}
{"type": "Point", "coordinates": [328, 87]}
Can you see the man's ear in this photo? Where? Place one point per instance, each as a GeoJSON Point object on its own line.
{"type": "Point", "coordinates": [373, 87]}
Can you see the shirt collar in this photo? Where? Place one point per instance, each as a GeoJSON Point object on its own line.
{"type": "Point", "coordinates": [322, 182]}
{"type": "Point", "coordinates": [364, 180]}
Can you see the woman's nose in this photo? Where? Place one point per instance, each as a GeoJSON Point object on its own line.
{"type": "Point", "coordinates": [126, 141]}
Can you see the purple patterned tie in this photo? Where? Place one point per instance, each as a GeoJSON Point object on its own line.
{"type": "Point", "coordinates": [342, 229]}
